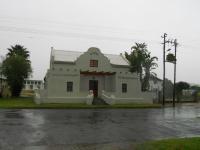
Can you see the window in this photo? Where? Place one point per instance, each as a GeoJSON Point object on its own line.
{"type": "Point", "coordinates": [124, 87]}
{"type": "Point", "coordinates": [69, 86]}
{"type": "Point", "coordinates": [93, 63]}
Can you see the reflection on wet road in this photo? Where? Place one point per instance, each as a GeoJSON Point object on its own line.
{"type": "Point", "coordinates": [85, 129]}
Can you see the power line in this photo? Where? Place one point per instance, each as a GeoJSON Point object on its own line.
{"type": "Point", "coordinates": [91, 27]}
{"type": "Point", "coordinates": [82, 35]}
{"type": "Point", "coordinates": [68, 34]}
{"type": "Point", "coordinates": [81, 27]}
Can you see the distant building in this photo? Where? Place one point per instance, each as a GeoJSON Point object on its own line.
{"type": "Point", "coordinates": [3, 83]}
{"type": "Point", "coordinates": [33, 84]}
{"type": "Point", "coordinates": [155, 84]}
{"type": "Point", "coordinates": [78, 77]}
{"type": "Point", "coordinates": [188, 92]}
{"type": "Point", "coordinates": [28, 84]}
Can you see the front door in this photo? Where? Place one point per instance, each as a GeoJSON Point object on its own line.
{"type": "Point", "coordinates": [93, 85]}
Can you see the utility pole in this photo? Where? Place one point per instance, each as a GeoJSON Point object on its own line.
{"type": "Point", "coordinates": [164, 42]}
{"type": "Point", "coordinates": [174, 88]}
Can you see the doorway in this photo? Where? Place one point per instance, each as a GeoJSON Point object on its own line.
{"type": "Point", "coordinates": [93, 85]}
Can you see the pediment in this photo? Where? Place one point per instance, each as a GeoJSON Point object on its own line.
{"type": "Point", "coordinates": [93, 53]}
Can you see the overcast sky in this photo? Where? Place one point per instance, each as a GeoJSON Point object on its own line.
{"type": "Point", "coordinates": [111, 25]}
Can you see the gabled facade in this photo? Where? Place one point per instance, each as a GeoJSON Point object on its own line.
{"type": "Point", "coordinates": [77, 77]}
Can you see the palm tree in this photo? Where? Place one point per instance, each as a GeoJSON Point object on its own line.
{"type": "Point", "coordinates": [148, 65]}
{"type": "Point", "coordinates": [16, 68]}
{"type": "Point", "coordinates": [137, 58]}
{"type": "Point", "coordinates": [18, 50]}
{"type": "Point", "coordinates": [142, 63]}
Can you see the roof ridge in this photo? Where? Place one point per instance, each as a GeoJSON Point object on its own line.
{"type": "Point", "coordinates": [82, 52]}
{"type": "Point", "coordinates": [67, 50]}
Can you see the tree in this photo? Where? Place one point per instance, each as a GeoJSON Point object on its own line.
{"type": "Point", "coordinates": [16, 68]}
{"type": "Point", "coordinates": [18, 50]}
{"type": "Point", "coordinates": [148, 65]}
{"type": "Point", "coordinates": [180, 86]}
{"type": "Point", "coordinates": [137, 58]}
{"type": "Point", "coordinates": [142, 63]}
{"type": "Point", "coordinates": [171, 58]}
{"type": "Point", "coordinates": [195, 87]}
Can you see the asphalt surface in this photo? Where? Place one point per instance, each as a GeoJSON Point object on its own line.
{"type": "Point", "coordinates": [90, 129]}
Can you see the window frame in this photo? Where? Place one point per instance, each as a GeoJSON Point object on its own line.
{"type": "Point", "coordinates": [93, 63]}
{"type": "Point", "coordinates": [124, 87]}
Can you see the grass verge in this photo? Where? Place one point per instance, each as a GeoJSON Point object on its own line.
{"type": "Point", "coordinates": [171, 144]}
{"type": "Point", "coordinates": [29, 103]}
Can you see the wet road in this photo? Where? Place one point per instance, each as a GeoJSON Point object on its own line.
{"type": "Point", "coordinates": [101, 129]}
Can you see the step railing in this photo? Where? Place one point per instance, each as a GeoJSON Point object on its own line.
{"type": "Point", "coordinates": [108, 98]}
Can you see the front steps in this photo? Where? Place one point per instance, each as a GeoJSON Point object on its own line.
{"type": "Point", "coordinates": [98, 101]}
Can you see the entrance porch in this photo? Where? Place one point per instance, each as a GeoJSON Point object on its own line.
{"type": "Point", "coordinates": [97, 82]}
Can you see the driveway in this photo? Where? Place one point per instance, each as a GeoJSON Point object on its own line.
{"type": "Point", "coordinates": [90, 129]}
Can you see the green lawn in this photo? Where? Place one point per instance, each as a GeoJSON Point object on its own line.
{"type": "Point", "coordinates": [171, 144]}
{"type": "Point", "coordinates": [28, 103]}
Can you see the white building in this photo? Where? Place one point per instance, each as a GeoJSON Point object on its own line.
{"type": "Point", "coordinates": [33, 84]}
{"type": "Point", "coordinates": [3, 84]}
{"type": "Point", "coordinates": [78, 77]}
{"type": "Point", "coordinates": [155, 84]}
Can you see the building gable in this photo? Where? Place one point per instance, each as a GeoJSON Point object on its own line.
{"type": "Point", "coordinates": [62, 56]}
{"type": "Point", "coordinates": [93, 60]}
